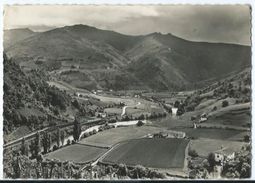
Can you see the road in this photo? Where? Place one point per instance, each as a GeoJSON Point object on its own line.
{"type": "Point", "coordinates": [20, 139]}
{"type": "Point", "coordinates": [124, 108]}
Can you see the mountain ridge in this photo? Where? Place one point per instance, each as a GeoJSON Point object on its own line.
{"type": "Point", "coordinates": [109, 60]}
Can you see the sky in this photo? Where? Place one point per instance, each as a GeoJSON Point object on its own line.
{"type": "Point", "coordinates": [211, 23]}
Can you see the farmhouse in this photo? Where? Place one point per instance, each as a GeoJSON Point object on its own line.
{"type": "Point", "coordinates": [203, 118]}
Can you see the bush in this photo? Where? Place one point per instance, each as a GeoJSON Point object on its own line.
{"type": "Point", "coordinates": [139, 123]}
{"type": "Point", "coordinates": [73, 142]}
{"type": "Point", "coordinates": [225, 103]}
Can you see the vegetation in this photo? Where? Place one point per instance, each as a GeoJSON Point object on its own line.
{"type": "Point", "coordinates": [76, 130]}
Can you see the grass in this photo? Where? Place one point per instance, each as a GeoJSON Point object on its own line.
{"type": "Point", "coordinates": [204, 146]}
{"type": "Point", "coordinates": [153, 153]}
{"type": "Point", "coordinates": [115, 135]}
{"type": "Point", "coordinates": [77, 153]}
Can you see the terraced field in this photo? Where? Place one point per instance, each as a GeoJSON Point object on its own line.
{"type": "Point", "coordinates": [154, 153]}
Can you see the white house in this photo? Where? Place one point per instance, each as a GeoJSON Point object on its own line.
{"type": "Point", "coordinates": [174, 111]}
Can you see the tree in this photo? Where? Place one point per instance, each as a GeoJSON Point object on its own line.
{"type": "Point", "coordinates": [76, 130]}
{"type": "Point", "coordinates": [45, 142]}
{"type": "Point", "coordinates": [58, 137]}
{"type": "Point", "coordinates": [139, 123]}
{"type": "Point", "coordinates": [24, 147]}
{"type": "Point", "coordinates": [49, 141]}
{"type": "Point", "coordinates": [225, 103]}
{"type": "Point", "coordinates": [68, 142]}
{"type": "Point", "coordinates": [62, 136]}
{"type": "Point", "coordinates": [141, 117]}
{"type": "Point", "coordinates": [123, 170]}
{"type": "Point", "coordinates": [193, 153]}
{"type": "Point", "coordinates": [36, 146]}
{"type": "Point", "coordinates": [55, 147]}
{"type": "Point", "coordinates": [211, 160]}
{"type": "Point", "coordinates": [16, 164]}
{"type": "Point", "coordinates": [176, 104]}
{"type": "Point", "coordinates": [247, 138]}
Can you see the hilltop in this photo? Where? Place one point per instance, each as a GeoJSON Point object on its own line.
{"type": "Point", "coordinates": [13, 36]}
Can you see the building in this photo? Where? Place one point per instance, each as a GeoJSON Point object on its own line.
{"type": "Point", "coordinates": [174, 111]}
{"type": "Point", "coordinates": [203, 118]}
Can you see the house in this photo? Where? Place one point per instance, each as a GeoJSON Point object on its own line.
{"type": "Point", "coordinates": [101, 114]}
{"type": "Point", "coordinates": [203, 118]}
{"type": "Point", "coordinates": [219, 158]}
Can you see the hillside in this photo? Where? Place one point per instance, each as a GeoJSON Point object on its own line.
{"type": "Point", "coordinates": [13, 36]}
{"type": "Point", "coordinates": [31, 104]}
{"type": "Point", "coordinates": [90, 58]}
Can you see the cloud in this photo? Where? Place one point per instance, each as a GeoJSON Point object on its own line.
{"type": "Point", "coordinates": [214, 23]}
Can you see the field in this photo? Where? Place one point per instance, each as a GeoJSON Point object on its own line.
{"type": "Point", "coordinates": [77, 153]}
{"type": "Point", "coordinates": [117, 111]}
{"type": "Point", "coordinates": [172, 122]}
{"type": "Point", "coordinates": [154, 153]}
{"type": "Point", "coordinates": [212, 145]}
{"type": "Point", "coordinates": [221, 134]}
{"type": "Point", "coordinates": [115, 135]}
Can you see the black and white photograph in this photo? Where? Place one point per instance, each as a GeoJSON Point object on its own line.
{"type": "Point", "coordinates": [127, 92]}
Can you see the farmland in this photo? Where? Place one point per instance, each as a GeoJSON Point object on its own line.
{"type": "Point", "coordinates": [77, 153]}
{"type": "Point", "coordinates": [213, 145]}
{"type": "Point", "coordinates": [115, 135]}
{"type": "Point", "coordinates": [170, 153]}
{"type": "Point", "coordinates": [221, 134]}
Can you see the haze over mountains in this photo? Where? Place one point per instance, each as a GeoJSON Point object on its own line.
{"type": "Point", "coordinates": [91, 58]}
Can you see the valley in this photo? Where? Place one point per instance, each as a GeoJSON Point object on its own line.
{"type": "Point", "coordinates": [86, 103]}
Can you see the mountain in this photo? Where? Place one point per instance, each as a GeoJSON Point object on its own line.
{"type": "Point", "coordinates": [13, 36]}
{"type": "Point", "coordinates": [91, 58]}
